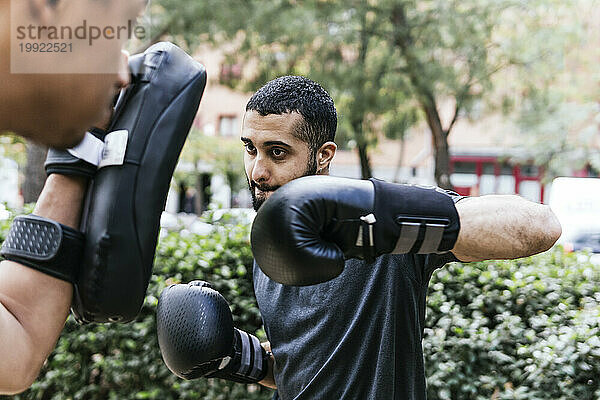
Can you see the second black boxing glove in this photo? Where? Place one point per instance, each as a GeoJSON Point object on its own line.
{"type": "Point", "coordinates": [197, 338]}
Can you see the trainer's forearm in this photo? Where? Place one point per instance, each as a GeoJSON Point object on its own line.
{"type": "Point", "coordinates": [269, 380]}
{"type": "Point", "coordinates": [503, 227]}
{"type": "Point", "coordinates": [33, 305]}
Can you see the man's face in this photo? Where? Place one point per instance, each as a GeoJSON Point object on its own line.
{"type": "Point", "coordinates": [57, 108]}
{"type": "Point", "coordinates": [273, 154]}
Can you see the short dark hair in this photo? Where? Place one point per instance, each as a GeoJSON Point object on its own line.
{"type": "Point", "coordinates": [299, 94]}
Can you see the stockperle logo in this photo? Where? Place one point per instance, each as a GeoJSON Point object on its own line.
{"type": "Point", "coordinates": [78, 38]}
{"type": "Point", "coordinates": [84, 31]}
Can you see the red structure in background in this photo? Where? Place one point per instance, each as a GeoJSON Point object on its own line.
{"type": "Point", "coordinates": [476, 164]}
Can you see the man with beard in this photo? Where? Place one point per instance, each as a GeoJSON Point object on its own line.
{"type": "Point", "coordinates": [357, 336]}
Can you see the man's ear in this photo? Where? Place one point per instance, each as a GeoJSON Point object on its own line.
{"type": "Point", "coordinates": [324, 156]}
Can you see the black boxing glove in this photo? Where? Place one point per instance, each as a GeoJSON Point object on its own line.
{"type": "Point", "coordinates": [197, 338]}
{"type": "Point", "coordinates": [303, 233]}
{"type": "Point", "coordinates": [81, 160]}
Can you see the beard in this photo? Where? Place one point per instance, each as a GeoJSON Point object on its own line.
{"type": "Point", "coordinates": [257, 201]}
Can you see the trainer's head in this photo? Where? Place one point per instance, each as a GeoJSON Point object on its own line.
{"type": "Point", "coordinates": [60, 96]}
{"type": "Point", "coordinates": [288, 132]}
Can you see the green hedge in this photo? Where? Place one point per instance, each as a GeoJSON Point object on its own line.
{"type": "Point", "coordinates": [525, 329]}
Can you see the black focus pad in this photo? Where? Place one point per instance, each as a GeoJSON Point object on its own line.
{"type": "Point", "coordinates": [44, 245]}
{"type": "Point", "coordinates": [122, 219]}
{"type": "Point", "coordinates": [303, 232]}
{"type": "Point", "coordinates": [195, 329]}
{"type": "Point", "coordinates": [413, 219]}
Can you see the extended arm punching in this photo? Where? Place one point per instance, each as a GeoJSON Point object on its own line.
{"type": "Point", "coordinates": [305, 231]}
{"type": "Point", "coordinates": [308, 227]}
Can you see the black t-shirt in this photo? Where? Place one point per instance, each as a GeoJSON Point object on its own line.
{"type": "Point", "coordinates": [357, 336]}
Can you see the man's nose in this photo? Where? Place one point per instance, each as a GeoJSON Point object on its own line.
{"type": "Point", "coordinates": [260, 170]}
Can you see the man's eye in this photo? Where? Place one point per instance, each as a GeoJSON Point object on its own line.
{"type": "Point", "coordinates": [277, 152]}
{"type": "Point", "coordinates": [250, 148]}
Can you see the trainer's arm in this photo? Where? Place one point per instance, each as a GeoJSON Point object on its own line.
{"type": "Point", "coordinates": [33, 305]}
{"type": "Point", "coordinates": [269, 380]}
{"type": "Point", "coordinates": [503, 227]}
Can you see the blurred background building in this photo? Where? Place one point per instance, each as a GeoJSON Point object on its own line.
{"type": "Point", "coordinates": [513, 90]}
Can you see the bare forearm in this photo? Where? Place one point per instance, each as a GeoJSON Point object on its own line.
{"type": "Point", "coordinates": [33, 305]}
{"type": "Point", "coordinates": [503, 227]}
{"type": "Point", "coordinates": [269, 380]}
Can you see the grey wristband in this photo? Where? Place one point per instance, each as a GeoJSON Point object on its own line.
{"type": "Point", "coordinates": [45, 245]}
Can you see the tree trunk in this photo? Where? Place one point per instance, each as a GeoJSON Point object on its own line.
{"type": "Point", "coordinates": [363, 155]}
{"type": "Point", "coordinates": [403, 40]}
{"type": "Point", "coordinates": [442, 163]}
{"type": "Point", "coordinates": [231, 181]}
{"type": "Point", "coordinates": [441, 152]}
{"type": "Point", "coordinates": [400, 160]}
{"type": "Point", "coordinates": [35, 176]}
{"type": "Point", "coordinates": [358, 110]}
{"type": "Point", "coordinates": [365, 163]}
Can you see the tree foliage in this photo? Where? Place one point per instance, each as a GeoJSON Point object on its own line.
{"type": "Point", "coordinates": [388, 63]}
{"type": "Point", "coordinates": [557, 86]}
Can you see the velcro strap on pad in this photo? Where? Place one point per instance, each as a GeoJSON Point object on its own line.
{"type": "Point", "coordinates": [102, 153]}
{"type": "Point", "coordinates": [44, 245]}
{"type": "Point", "coordinates": [89, 149]}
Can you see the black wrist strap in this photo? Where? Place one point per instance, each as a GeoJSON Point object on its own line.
{"type": "Point", "coordinates": [45, 245]}
{"type": "Point", "coordinates": [248, 362]}
{"type": "Point", "coordinates": [414, 219]}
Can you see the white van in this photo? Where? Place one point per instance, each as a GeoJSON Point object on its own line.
{"type": "Point", "coordinates": [576, 203]}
